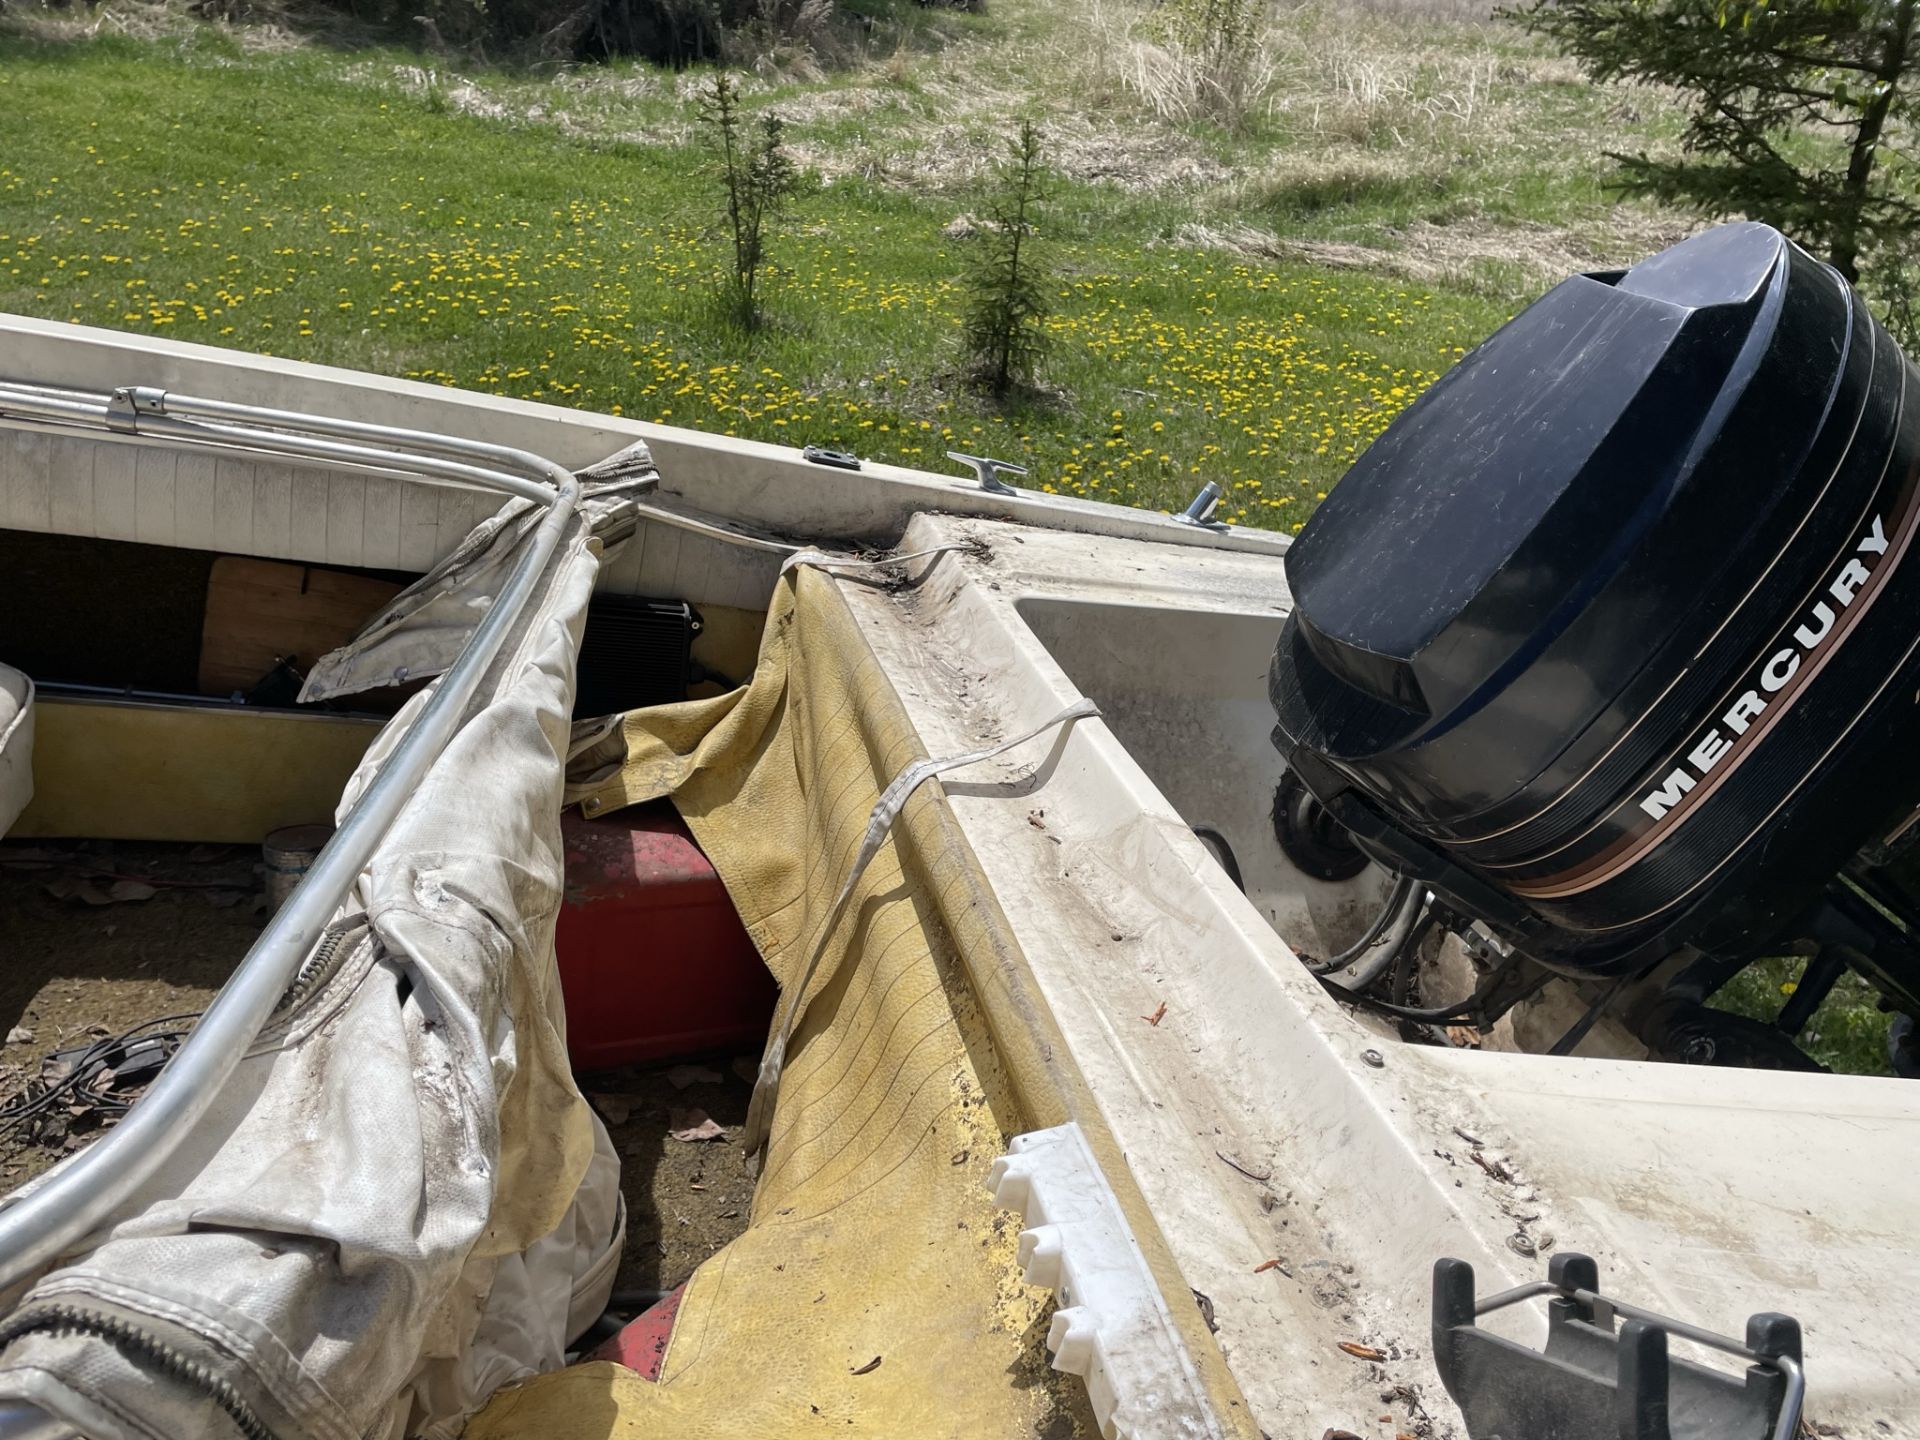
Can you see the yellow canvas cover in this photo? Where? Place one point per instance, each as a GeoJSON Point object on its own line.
{"type": "Point", "coordinates": [876, 1291]}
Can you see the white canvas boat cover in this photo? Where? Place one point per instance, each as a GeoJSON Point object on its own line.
{"type": "Point", "coordinates": [401, 1201]}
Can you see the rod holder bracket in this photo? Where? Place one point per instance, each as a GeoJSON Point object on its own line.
{"type": "Point", "coordinates": [1203, 507]}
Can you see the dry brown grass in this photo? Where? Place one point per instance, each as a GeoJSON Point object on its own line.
{"type": "Point", "coordinates": [262, 28]}
{"type": "Point", "coordinates": [1471, 254]}
{"type": "Point", "coordinates": [1412, 137]}
{"type": "Point", "coordinates": [956, 157]}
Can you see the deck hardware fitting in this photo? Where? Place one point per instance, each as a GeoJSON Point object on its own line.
{"type": "Point", "coordinates": [1203, 507]}
{"type": "Point", "coordinates": [1594, 1380]}
{"type": "Point", "coordinates": [988, 472]}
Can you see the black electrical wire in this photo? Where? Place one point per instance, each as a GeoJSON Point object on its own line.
{"type": "Point", "coordinates": [1405, 930]}
{"type": "Point", "coordinates": [24, 1108]}
{"type": "Point", "coordinates": [1468, 1011]}
{"type": "Point", "coordinates": [1397, 897]}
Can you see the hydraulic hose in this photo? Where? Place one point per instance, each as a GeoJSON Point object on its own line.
{"type": "Point", "coordinates": [1373, 954]}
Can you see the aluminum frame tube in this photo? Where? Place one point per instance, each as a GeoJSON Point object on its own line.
{"type": "Point", "coordinates": [36, 1229]}
{"type": "Point", "coordinates": [28, 403]}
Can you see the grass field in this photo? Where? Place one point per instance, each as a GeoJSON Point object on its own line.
{"type": "Point", "coordinates": [1249, 304]}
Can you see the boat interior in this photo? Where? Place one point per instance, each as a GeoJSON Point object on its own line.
{"type": "Point", "coordinates": [1290, 1167]}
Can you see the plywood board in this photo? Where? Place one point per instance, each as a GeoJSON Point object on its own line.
{"type": "Point", "coordinates": [260, 610]}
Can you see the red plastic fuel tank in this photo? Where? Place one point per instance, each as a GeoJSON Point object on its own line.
{"type": "Point", "coordinates": [654, 961]}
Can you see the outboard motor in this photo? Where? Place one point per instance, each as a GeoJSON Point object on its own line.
{"type": "Point", "coordinates": [1611, 641]}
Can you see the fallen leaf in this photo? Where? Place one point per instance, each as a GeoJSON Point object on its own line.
{"type": "Point", "coordinates": [694, 1125]}
{"type": "Point", "coordinates": [868, 1368]}
{"type": "Point", "coordinates": [77, 890]}
{"type": "Point", "coordinates": [1157, 1016]}
{"type": "Point", "coordinates": [1463, 1037]}
{"type": "Point", "coordinates": [681, 1076]}
{"type": "Point", "coordinates": [1362, 1352]}
{"type": "Point", "coordinates": [614, 1109]}
{"type": "Point", "coordinates": [19, 1035]}
{"type": "Point", "coordinates": [1266, 1265]}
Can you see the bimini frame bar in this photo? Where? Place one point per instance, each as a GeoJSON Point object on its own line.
{"type": "Point", "coordinates": [50, 1221]}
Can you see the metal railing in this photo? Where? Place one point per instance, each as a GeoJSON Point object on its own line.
{"type": "Point", "coordinates": [38, 1228]}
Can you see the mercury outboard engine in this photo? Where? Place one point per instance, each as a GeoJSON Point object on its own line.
{"type": "Point", "coordinates": [1611, 641]}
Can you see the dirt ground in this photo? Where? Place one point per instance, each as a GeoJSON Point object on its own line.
{"type": "Point", "coordinates": [81, 959]}
{"type": "Point", "coordinates": [685, 1198]}
{"type": "Point", "coordinates": [98, 936]}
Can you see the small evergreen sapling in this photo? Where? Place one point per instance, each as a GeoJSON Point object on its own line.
{"type": "Point", "coordinates": [1006, 282]}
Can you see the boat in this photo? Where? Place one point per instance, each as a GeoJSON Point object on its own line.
{"type": "Point", "coordinates": [1113, 1075]}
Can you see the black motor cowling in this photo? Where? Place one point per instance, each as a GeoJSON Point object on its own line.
{"type": "Point", "coordinates": [1612, 637]}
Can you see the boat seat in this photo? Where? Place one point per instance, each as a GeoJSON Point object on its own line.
{"type": "Point", "coordinates": [16, 745]}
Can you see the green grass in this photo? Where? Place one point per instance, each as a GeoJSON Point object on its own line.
{"type": "Point", "coordinates": [271, 203]}
{"type": "Point", "coordinates": [1848, 1033]}
{"type": "Point", "coordinates": [1244, 299]}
